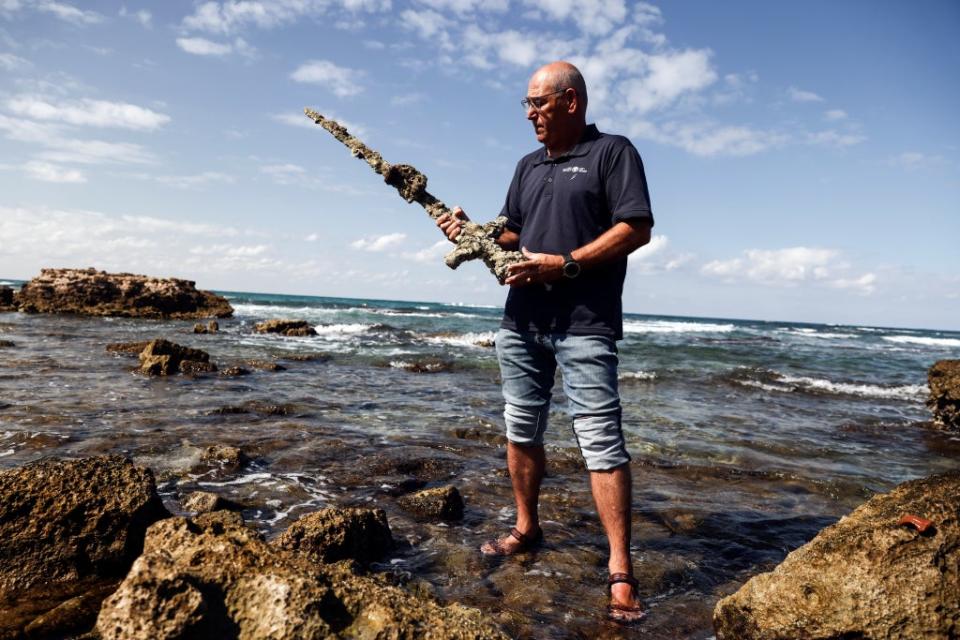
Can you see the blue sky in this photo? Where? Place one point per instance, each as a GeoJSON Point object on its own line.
{"type": "Point", "coordinates": [803, 159]}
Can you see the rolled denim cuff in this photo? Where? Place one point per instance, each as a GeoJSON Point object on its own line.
{"type": "Point", "coordinates": [525, 425]}
{"type": "Point", "coordinates": [601, 441]}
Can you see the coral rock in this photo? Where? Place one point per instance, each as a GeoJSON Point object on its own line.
{"type": "Point", "coordinates": [336, 534]}
{"type": "Point", "coordinates": [162, 358]}
{"type": "Point", "coordinates": [286, 327]}
{"type": "Point", "coordinates": [98, 293]}
{"type": "Point", "coordinates": [206, 502]}
{"type": "Point", "coordinates": [224, 455]}
{"type": "Point", "coordinates": [443, 503]}
{"type": "Point", "coordinates": [944, 401]}
{"type": "Point", "coordinates": [864, 577]}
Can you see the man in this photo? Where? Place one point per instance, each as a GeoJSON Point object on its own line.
{"type": "Point", "coordinates": [576, 208]}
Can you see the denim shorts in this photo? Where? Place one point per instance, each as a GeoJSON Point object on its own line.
{"type": "Point", "coordinates": [588, 364]}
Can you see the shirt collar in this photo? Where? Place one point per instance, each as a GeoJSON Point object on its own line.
{"type": "Point", "coordinates": [582, 148]}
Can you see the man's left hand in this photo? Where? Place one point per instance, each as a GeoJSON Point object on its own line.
{"type": "Point", "coordinates": [536, 269]}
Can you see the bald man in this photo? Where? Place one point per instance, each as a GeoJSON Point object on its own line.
{"type": "Point", "coordinates": [576, 208]}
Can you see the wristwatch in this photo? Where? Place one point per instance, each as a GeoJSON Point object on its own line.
{"type": "Point", "coordinates": [571, 268]}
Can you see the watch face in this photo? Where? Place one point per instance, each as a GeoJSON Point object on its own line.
{"type": "Point", "coordinates": [571, 269]}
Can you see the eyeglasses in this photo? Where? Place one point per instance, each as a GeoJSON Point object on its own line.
{"type": "Point", "coordinates": [538, 101]}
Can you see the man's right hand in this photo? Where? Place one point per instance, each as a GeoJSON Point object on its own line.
{"type": "Point", "coordinates": [450, 223]}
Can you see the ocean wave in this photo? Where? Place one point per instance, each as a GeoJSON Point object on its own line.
{"type": "Point", "coordinates": [423, 314]}
{"type": "Point", "coordinates": [350, 328]}
{"type": "Point", "coordinates": [814, 333]}
{"type": "Point", "coordinates": [482, 339]}
{"type": "Point", "coordinates": [637, 375]}
{"type": "Point", "coordinates": [783, 383]}
{"type": "Point", "coordinates": [259, 310]}
{"type": "Point", "coordinates": [673, 326]}
{"type": "Point", "coordinates": [924, 341]}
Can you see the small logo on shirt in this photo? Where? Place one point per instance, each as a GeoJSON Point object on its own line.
{"type": "Point", "coordinates": [574, 170]}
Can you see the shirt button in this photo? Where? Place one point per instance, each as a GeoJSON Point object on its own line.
{"type": "Point", "coordinates": [549, 179]}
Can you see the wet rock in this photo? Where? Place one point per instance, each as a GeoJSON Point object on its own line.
{"type": "Point", "coordinates": [73, 616]}
{"type": "Point", "coordinates": [442, 503]}
{"type": "Point", "coordinates": [206, 502]}
{"type": "Point", "coordinates": [66, 520]}
{"type": "Point", "coordinates": [128, 348]}
{"type": "Point", "coordinates": [424, 365]}
{"type": "Point", "coordinates": [162, 358]}
{"type": "Point", "coordinates": [98, 293]}
{"type": "Point", "coordinates": [944, 401]}
{"type": "Point", "coordinates": [485, 432]}
{"type": "Point", "coordinates": [265, 365]}
{"type": "Point", "coordinates": [422, 468]}
{"type": "Point", "coordinates": [225, 456]}
{"type": "Point", "coordinates": [270, 409]}
{"type": "Point", "coordinates": [286, 327]}
{"type": "Point", "coordinates": [210, 327]}
{"type": "Point", "coordinates": [336, 534]}
{"type": "Point", "coordinates": [863, 577]}
{"type": "Point", "coordinates": [6, 344]}
{"type": "Point", "coordinates": [7, 296]}
{"type": "Point", "coordinates": [193, 367]}
{"type": "Point", "coordinates": [308, 357]}
{"type": "Point", "coordinates": [233, 372]}
{"type": "Point", "coordinates": [214, 578]}
{"type": "Point", "coordinates": [228, 411]}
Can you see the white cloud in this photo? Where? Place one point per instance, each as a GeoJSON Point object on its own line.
{"type": "Point", "coordinates": [656, 257]}
{"type": "Point", "coordinates": [833, 138]}
{"type": "Point", "coordinates": [864, 285]}
{"type": "Point", "coordinates": [229, 250]}
{"type": "Point", "coordinates": [196, 180]}
{"type": "Point", "coordinates": [62, 149]}
{"type": "Point", "coordinates": [595, 17]}
{"type": "Point", "coordinates": [669, 75]}
{"type": "Point", "coordinates": [379, 243]}
{"type": "Point", "coordinates": [912, 160]}
{"type": "Point", "coordinates": [429, 24]}
{"type": "Point", "coordinates": [466, 6]}
{"type": "Point", "coordinates": [510, 46]}
{"type": "Point", "coordinates": [87, 112]}
{"type": "Point", "coordinates": [204, 47]}
{"type": "Point", "coordinates": [10, 62]}
{"type": "Point", "coordinates": [144, 17]}
{"type": "Point", "coordinates": [799, 95]}
{"type": "Point", "coordinates": [710, 139]}
{"type": "Point", "coordinates": [430, 254]}
{"type": "Point", "coordinates": [234, 15]}
{"type": "Point", "coordinates": [297, 119]}
{"type": "Point", "coordinates": [53, 173]}
{"type": "Point", "coordinates": [835, 114]}
{"type": "Point", "coordinates": [406, 99]}
{"type": "Point", "coordinates": [777, 266]}
{"type": "Point", "coordinates": [340, 80]}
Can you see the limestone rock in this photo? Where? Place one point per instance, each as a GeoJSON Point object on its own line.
{"type": "Point", "coordinates": [944, 401]}
{"type": "Point", "coordinates": [214, 578]}
{"type": "Point", "coordinates": [127, 348]}
{"type": "Point", "coordinates": [863, 577]}
{"type": "Point", "coordinates": [233, 372]}
{"type": "Point", "coordinates": [286, 327]}
{"type": "Point", "coordinates": [336, 534]}
{"type": "Point", "coordinates": [265, 365]}
{"type": "Point", "coordinates": [162, 358]}
{"type": "Point", "coordinates": [98, 293]}
{"type": "Point", "coordinates": [206, 502]}
{"type": "Point", "coordinates": [225, 456]}
{"type": "Point", "coordinates": [210, 327]}
{"type": "Point", "coordinates": [62, 521]}
{"type": "Point", "coordinates": [444, 503]}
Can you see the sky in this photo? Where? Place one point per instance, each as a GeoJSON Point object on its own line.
{"type": "Point", "coordinates": [803, 159]}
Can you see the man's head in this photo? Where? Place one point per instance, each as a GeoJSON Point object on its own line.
{"type": "Point", "coordinates": [557, 105]}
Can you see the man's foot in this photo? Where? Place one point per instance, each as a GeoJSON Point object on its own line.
{"type": "Point", "coordinates": [624, 605]}
{"type": "Point", "coordinates": [515, 542]}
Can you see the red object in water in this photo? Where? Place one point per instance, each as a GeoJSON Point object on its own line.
{"type": "Point", "coordinates": [918, 523]}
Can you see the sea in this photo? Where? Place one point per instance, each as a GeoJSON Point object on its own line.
{"type": "Point", "coordinates": [747, 437]}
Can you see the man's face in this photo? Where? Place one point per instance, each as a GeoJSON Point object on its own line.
{"type": "Point", "coordinates": [551, 119]}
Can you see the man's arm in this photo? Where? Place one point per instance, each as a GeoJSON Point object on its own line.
{"type": "Point", "coordinates": [618, 241]}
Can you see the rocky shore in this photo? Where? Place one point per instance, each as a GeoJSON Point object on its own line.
{"type": "Point", "coordinates": [98, 293]}
{"type": "Point", "coordinates": [70, 529]}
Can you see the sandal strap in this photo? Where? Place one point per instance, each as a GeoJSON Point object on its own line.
{"type": "Point", "coordinates": [526, 540]}
{"type": "Point", "coordinates": [622, 577]}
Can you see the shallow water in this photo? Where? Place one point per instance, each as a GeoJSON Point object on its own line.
{"type": "Point", "coordinates": [747, 437]}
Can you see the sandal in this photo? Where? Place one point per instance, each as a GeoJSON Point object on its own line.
{"type": "Point", "coordinates": [622, 613]}
{"type": "Point", "coordinates": [527, 543]}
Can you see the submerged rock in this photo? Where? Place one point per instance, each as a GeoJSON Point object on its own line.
{"type": "Point", "coordinates": [336, 534]}
{"type": "Point", "coordinates": [210, 327]}
{"type": "Point", "coordinates": [233, 372]}
{"type": "Point", "coordinates": [162, 358]}
{"type": "Point", "coordinates": [67, 520]}
{"type": "Point", "coordinates": [864, 577]}
{"type": "Point", "coordinates": [265, 365]}
{"type": "Point", "coordinates": [206, 502]}
{"type": "Point", "coordinates": [6, 344]}
{"type": "Point", "coordinates": [225, 456]}
{"type": "Point", "coordinates": [214, 578]}
{"type": "Point", "coordinates": [286, 327]}
{"type": "Point", "coordinates": [444, 503]}
{"type": "Point", "coordinates": [944, 401]}
{"type": "Point", "coordinates": [98, 293]}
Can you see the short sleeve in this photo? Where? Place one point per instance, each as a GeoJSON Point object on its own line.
{"type": "Point", "coordinates": [626, 186]}
{"type": "Point", "coordinates": [511, 206]}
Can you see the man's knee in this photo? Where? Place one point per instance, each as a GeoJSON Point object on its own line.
{"type": "Point", "coordinates": [601, 442]}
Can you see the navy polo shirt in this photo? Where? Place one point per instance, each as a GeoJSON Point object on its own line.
{"type": "Point", "coordinates": [560, 204]}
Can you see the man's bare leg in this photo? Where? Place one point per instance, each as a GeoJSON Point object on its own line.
{"type": "Point", "coordinates": [612, 495]}
{"type": "Point", "coordinates": [526, 465]}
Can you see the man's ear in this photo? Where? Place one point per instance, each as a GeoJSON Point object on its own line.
{"type": "Point", "coordinates": [573, 100]}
